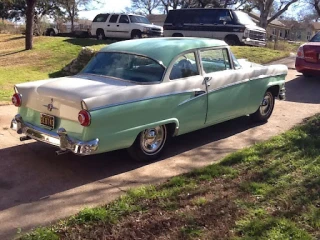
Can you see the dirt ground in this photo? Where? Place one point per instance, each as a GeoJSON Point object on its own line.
{"type": "Point", "coordinates": [37, 187]}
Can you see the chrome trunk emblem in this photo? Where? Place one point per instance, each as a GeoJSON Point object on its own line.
{"type": "Point", "coordinates": [50, 106]}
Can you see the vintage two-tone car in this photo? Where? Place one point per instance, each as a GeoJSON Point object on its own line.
{"type": "Point", "coordinates": [136, 94]}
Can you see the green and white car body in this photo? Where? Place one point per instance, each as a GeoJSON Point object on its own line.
{"type": "Point", "coordinates": [148, 85]}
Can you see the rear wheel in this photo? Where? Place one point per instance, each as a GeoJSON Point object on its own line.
{"type": "Point", "coordinates": [177, 35]}
{"type": "Point", "coordinates": [306, 75]}
{"type": "Point", "coordinates": [232, 40]}
{"type": "Point", "coordinates": [149, 144]}
{"type": "Point", "coordinates": [100, 34]}
{"type": "Point", "coordinates": [265, 109]}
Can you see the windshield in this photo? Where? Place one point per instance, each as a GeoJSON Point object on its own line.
{"type": "Point", "coordinates": [139, 19]}
{"type": "Point", "coordinates": [125, 66]}
{"type": "Point", "coordinates": [235, 61]}
{"type": "Point", "coordinates": [244, 18]}
{"type": "Point", "coordinates": [316, 38]}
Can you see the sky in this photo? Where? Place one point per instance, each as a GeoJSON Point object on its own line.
{"type": "Point", "coordinates": [108, 6]}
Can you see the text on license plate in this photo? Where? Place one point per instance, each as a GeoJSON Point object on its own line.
{"type": "Point", "coordinates": [47, 120]}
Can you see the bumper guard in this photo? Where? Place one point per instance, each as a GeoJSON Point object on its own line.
{"type": "Point", "coordinates": [59, 139]}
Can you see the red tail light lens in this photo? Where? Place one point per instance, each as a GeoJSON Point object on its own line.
{"type": "Point", "coordinates": [310, 54]}
{"type": "Point", "coordinates": [300, 53]}
{"type": "Point", "coordinates": [84, 118]}
{"type": "Point", "coordinates": [16, 99]}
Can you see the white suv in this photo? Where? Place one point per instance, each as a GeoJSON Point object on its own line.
{"type": "Point", "coordinates": [126, 26]}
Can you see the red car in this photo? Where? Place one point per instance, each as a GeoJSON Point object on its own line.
{"type": "Point", "coordinates": [308, 57]}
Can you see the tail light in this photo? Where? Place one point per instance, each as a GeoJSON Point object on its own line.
{"type": "Point", "coordinates": [310, 54]}
{"type": "Point", "coordinates": [16, 99]}
{"type": "Point", "coordinates": [84, 118]}
{"type": "Point", "coordinates": [300, 53]}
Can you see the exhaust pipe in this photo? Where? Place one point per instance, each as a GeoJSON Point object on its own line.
{"type": "Point", "coordinates": [25, 138]}
{"type": "Point", "coordinates": [61, 152]}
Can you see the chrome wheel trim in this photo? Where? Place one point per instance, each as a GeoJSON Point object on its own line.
{"type": "Point", "coordinates": [152, 140]}
{"type": "Point", "coordinates": [266, 104]}
{"type": "Point", "coordinates": [100, 36]}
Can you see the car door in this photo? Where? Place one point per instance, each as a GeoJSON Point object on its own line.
{"type": "Point", "coordinates": [112, 29]}
{"type": "Point", "coordinates": [185, 79]}
{"type": "Point", "coordinates": [124, 27]}
{"type": "Point", "coordinates": [228, 89]}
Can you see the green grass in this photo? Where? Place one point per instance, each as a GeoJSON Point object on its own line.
{"type": "Point", "coordinates": [51, 54]}
{"type": "Point", "coordinates": [268, 191]}
{"type": "Point", "coordinates": [259, 54]}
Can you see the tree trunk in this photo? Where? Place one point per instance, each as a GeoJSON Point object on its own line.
{"type": "Point", "coordinates": [29, 23]}
{"type": "Point", "coordinates": [264, 19]}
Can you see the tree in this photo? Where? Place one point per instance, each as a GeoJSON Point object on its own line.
{"type": "Point", "coordinates": [316, 5]}
{"type": "Point", "coordinates": [5, 7]}
{"type": "Point", "coordinates": [72, 7]}
{"type": "Point", "coordinates": [145, 6]}
{"type": "Point", "coordinates": [31, 4]}
{"type": "Point", "coordinates": [170, 4]}
{"type": "Point", "coordinates": [266, 6]}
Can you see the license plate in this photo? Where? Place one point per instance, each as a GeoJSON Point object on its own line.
{"type": "Point", "coordinates": [47, 120]}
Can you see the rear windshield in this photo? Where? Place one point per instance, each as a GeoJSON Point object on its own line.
{"type": "Point", "coordinates": [139, 19]}
{"type": "Point", "coordinates": [316, 38]}
{"type": "Point", "coordinates": [125, 66]}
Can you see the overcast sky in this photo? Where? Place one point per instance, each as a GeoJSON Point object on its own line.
{"type": "Point", "coordinates": [108, 6]}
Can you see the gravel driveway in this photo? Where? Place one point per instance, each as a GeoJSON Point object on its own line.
{"type": "Point", "coordinates": [37, 187]}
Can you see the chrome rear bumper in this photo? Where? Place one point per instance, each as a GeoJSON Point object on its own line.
{"type": "Point", "coordinates": [59, 139]}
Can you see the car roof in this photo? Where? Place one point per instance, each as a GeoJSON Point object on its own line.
{"type": "Point", "coordinates": [162, 49]}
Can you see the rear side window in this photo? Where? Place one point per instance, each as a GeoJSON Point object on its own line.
{"type": "Point", "coordinates": [215, 60]}
{"type": "Point", "coordinates": [124, 19]}
{"type": "Point", "coordinates": [185, 66]}
{"type": "Point", "coordinates": [114, 18]}
{"type": "Point", "coordinates": [101, 18]}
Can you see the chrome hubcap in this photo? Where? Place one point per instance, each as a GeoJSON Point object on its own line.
{"type": "Point", "coordinates": [153, 139]}
{"type": "Point", "coordinates": [266, 104]}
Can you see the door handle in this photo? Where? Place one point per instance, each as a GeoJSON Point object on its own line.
{"type": "Point", "coordinates": [117, 25]}
{"type": "Point", "coordinates": [108, 25]}
{"type": "Point", "coordinates": [198, 93]}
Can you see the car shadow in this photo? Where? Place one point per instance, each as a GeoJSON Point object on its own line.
{"type": "Point", "coordinates": [303, 90]}
{"type": "Point", "coordinates": [32, 171]}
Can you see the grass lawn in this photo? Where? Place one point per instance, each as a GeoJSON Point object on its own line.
{"type": "Point", "coordinates": [51, 54]}
{"type": "Point", "coordinates": [267, 191]}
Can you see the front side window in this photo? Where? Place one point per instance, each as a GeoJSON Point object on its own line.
{"type": "Point", "coordinates": [139, 19]}
{"type": "Point", "coordinates": [114, 18]}
{"type": "Point", "coordinates": [185, 66]}
{"type": "Point", "coordinates": [215, 60]}
{"type": "Point", "coordinates": [125, 66]}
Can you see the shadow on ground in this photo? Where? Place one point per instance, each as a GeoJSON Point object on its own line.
{"type": "Point", "coordinates": [32, 171]}
{"type": "Point", "coordinates": [11, 53]}
{"type": "Point", "coordinates": [303, 90]}
{"type": "Point", "coordinates": [88, 42]}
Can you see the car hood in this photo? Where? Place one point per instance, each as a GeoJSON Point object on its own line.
{"type": "Point", "coordinates": [255, 28]}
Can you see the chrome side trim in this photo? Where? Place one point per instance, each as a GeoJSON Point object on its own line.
{"type": "Point", "coordinates": [143, 99]}
{"type": "Point", "coordinates": [59, 139]}
{"type": "Point", "coordinates": [264, 76]}
{"type": "Point", "coordinates": [229, 85]}
{"type": "Point", "coordinates": [192, 98]}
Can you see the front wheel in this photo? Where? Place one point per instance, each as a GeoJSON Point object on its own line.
{"type": "Point", "coordinates": [265, 109]}
{"type": "Point", "coordinates": [149, 144]}
{"type": "Point", "coordinates": [100, 35]}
